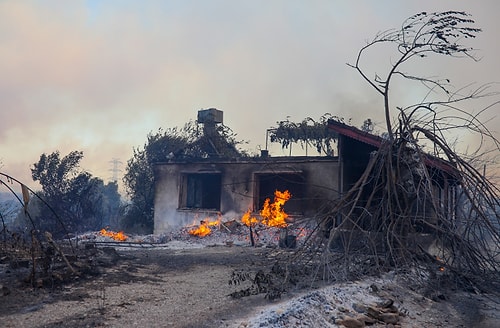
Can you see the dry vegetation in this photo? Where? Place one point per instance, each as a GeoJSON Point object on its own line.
{"type": "Point", "coordinates": [417, 211]}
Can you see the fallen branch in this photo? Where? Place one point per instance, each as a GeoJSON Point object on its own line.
{"type": "Point", "coordinates": [51, 241]}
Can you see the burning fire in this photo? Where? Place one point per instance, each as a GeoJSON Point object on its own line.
{"type": "Point", "coordinates": [249, 220]}
{"type": "Point", "coordinates": [273, 214]}
{"type": "Point", "coordinates": [119, 236]}
{"type": "Point", "coordinates": [204, 227]}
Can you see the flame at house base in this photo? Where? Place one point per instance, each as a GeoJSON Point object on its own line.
{"type": "Point", "coordinates": [119, 236]}
{"type": "Point", "coordinates": [272, 214]}
{"type": "Point", "coordinates": [204, 228]}
{"type": "Point", "coordinates": [248, 219]}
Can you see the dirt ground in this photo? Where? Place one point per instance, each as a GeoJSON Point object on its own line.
{"type": "Point", "coordinates": [142, 287]}
{"type": "Point", "coordinates": [187, 288]}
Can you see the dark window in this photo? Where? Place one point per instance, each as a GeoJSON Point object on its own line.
{"type": "Point", "coordinates": [268, 183]}
{"type": "Point", "coordinates": [201, 190]}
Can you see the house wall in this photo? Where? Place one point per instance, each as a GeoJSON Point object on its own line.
{"type": "Point", "coordinates": [238, 187]}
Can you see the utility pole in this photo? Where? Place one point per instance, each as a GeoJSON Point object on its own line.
{"type": "Point", "coordinates": [116, 163]}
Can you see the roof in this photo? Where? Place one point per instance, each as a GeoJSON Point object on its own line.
{"type": "Point", "coordinates": [355, 133]}
{"type": "Point", "coordinates": [248, 160]}
{"type": "Point", "coordinates": [376, 141]}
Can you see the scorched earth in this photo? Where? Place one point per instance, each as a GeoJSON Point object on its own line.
{"type": "Point", "coordinates": [182, 281]}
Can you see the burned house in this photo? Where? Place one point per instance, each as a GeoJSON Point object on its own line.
{"type": "Point", "coordinates": [196, 189]}
{"type": "Point", "coordinates": [190, 190]}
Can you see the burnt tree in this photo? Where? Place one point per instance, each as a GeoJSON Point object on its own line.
{"type": "Point", "coordinates": [411, 208]}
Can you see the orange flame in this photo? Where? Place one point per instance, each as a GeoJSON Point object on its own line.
{"type": "Point", "coordinates": [120, 236]}
{"type": "Point", "coordinates": [204, 228]}
{"type": "Point", "coordinates": [249, 220]}
{"type": "Point", "coordinates": [273, 214]}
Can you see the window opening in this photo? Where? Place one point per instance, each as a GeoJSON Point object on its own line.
{"type": "Point", "coordinates": [268, 183]}
{"type": "Point", "coordinates": [201, 191]}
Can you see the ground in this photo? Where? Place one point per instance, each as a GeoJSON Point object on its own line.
{"type": "Point", "coordinates": [188, 287]}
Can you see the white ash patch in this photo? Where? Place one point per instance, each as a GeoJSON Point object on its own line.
{"type": "Point", "coordinates": [319, 308]}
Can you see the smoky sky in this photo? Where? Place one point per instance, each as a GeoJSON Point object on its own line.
{"type": "Point", "coordinates": [98, 76]}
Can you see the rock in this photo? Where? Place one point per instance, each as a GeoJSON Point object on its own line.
{"type": "Point", "coordinates": [374, 288]}
{"type": "Point", "coordinates": [349, 322]}
{"type": "Point", "coordinates": [388, 314]}
{"type": "Point", "coordinates": [366, 319]}
{"type": "Point", "coordinates": [389, 318]}
{"type": "Point", "coordinates": [386, 304]}
{"type": "Point", "coordinates": [373, 312]}
{"type": "Point", "coordinates": [392, 308]}
{"type": "Point", "coordinates": [360, 308]}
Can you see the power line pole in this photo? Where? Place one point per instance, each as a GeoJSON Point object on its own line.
{"type": "Point", "coordinates": [116, 163]}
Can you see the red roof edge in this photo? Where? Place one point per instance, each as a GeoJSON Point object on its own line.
{"type": "Point", "coordinates": [355, 133]}
{"type": "Point", "coordinates": [376, 141]}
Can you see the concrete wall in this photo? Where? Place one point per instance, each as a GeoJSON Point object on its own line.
{"type": "Point", "coordinates": [238, 180]}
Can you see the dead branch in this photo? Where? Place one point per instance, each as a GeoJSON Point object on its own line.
{"type": "Point", "coordinates": [412, 210]}
{"type": "Point", "coordinates": [51, 241]}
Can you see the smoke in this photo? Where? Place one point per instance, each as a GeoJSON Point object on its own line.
{"type": "Point", "coordinates": [98, 77]}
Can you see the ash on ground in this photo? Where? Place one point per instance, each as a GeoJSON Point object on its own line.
{"type": "Point", "coordinates": [230, 233]}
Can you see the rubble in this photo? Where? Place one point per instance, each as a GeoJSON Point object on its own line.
{"type": "Point", "coordinates": [357, 305]}
{"type": "Point", "coordinates": [47, 262]}
{"type": "Point", "coordinates": [229, 233]}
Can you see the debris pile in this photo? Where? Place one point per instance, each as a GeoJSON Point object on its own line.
{"type": "Point", "coordinates": [272, 226]}
{"type": "Point", "coordinates": [227, 233]}
{"type": "Point", "coordinates": [45, 262]}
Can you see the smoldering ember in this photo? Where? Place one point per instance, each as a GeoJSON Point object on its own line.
{"type": "Point", "coordinates": [372, 231]}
